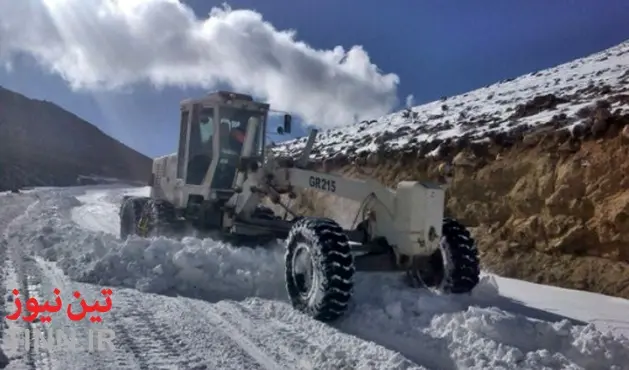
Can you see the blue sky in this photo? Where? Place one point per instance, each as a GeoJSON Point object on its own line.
{"type": "Point", "coordinates": [436, 48]}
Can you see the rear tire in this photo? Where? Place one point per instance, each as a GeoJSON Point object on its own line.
{"type": "Point", "coordinates": [460, 260]}
{"type": "Point", "coordinates": [158, 218]}
{"type": "Point", "coordinates": [319, 268]}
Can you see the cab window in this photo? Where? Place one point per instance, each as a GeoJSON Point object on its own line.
{"type": "Point", "coordinates": [201, 140]}
{"type": "Point", "coordinates": [233, 128]}
{"type": "Point", "coordinates": [206, 125]}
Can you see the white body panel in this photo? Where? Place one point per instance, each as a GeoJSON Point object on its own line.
{"type": "Point", "coordinates": [404, 216]}
{"type": "Point", "coordinates": [418, 217]}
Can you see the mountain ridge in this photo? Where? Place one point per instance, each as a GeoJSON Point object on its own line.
{"type": "Point", "coordinates": [42, 144]}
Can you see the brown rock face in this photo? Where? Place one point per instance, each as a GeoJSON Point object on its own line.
{"type": "Point", "coordinates": [560, 220]}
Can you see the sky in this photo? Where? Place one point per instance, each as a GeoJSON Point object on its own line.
{"type": "Point", "coordinates": [124, 65]}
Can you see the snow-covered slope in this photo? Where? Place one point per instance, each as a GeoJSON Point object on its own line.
{"type": "Point", "coordinates": [239, 317]}
{"type": "Point", "coordinates": [560, 93]}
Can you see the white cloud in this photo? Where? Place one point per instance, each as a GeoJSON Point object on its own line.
{"type": "Point", "coordinates": [410, 101]}
{"type": "Point", "coordinates": [111, 44]}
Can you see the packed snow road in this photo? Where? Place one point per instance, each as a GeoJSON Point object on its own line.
{"type": "Point", "coordinates": [200, 304]}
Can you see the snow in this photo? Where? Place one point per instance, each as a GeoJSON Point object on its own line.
{"type": "Point", "coordinates": [478, 113]}
{"type": "Point", "coordinates": [607, 313]}
{"type": "Point", "coordinates": [226, 307]}
{"type": "Point", "coordinates": [99, 210]}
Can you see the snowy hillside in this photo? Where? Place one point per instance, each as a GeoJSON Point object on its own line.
{"type": "Point", "coordinates": [555, 97]}
{"type": "Point", "coordinates": [240, 319]}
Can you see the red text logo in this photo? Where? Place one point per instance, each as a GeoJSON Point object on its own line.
{"type": "Point", "coordinates": [34, 309]}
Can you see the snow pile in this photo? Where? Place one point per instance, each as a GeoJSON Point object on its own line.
{"type": "Point", "coordinates": [488, 110]}
{"type": "Point", "coordinates": [481, 331]}
{"type": "Point", "coordinates": [191, 267]}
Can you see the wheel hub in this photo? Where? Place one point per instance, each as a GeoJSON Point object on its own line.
{"type": "Point", "coordinates": [429, 271]}
{"type": "Point", "coordinates": [303, 270]}
{"type": "Point", "coordinates": [143, 226]}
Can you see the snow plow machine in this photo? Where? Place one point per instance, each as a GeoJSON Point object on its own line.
{"type": "Point", "coordinates": [221, 175]}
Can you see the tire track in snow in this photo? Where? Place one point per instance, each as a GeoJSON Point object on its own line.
{"type": "Point", "coordinates": [38, 280]}
{"type": "Point", "coordinates": [242, 341]}
{"type": "Point", "coordinates": [123, 339]}
{"type": "Point", "coordinates": [208, 337]}
{"type": "Point", "coordinates": [150, 340]}
{"type": "Point", "coordinates": [145, 340]}
{"type": "Point", "coordinates": [235, 316]}
{"type": "Point", "coordinates": [309, 344]}
{"type": "Point", "coordinates": [57, 279]}
{"type": "Point", "coordinates": [32, 359]}
{"type": "Point", "coordinates": [27, 270]}
{"type": "Point", "coordinates": [141, 346]}
{"type": "Point", "coordinates": [35, 282]}
{"type": "Point", "coordinates": [13, 266]}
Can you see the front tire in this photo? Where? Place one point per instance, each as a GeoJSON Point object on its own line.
{"type": "Point", "coordinates": [319, 268]}
{"type": "Point", "coordinates": [158, 218]}
{"type": "Point", "coordinates": [130, 214]}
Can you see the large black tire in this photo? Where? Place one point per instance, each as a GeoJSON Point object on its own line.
{"type": "Point", "coordinates": [324, 287]}
{"type": "Point", "coordinates": [459, 256]}
{"type": "Point", "coordinates": [130, 214]}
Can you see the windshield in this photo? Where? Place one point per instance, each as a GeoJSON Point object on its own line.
{"type": "Point", "coordinates": [233, 128]}
{"type": "Point", "coordinates": [233, 124]}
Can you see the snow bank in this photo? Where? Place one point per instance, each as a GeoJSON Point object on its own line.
{"type": "Point", "coordinates": [199, 268]}
{"type": "Point", "coordinates": [481, 331]}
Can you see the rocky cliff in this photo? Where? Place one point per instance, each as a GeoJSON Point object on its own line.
{"type": "Point", "coordinates": [540, 166]}
{"type": "Point", "coordinates": [43, 145]}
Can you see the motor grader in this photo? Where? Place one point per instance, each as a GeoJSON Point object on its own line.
{"type": "Point", "coordinates": [218, 179]}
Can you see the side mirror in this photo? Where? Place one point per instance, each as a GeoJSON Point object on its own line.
{"type": "Point", "coordinates": [287, 123]}
{"type": "Point", "coordinates": [280, 130]}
